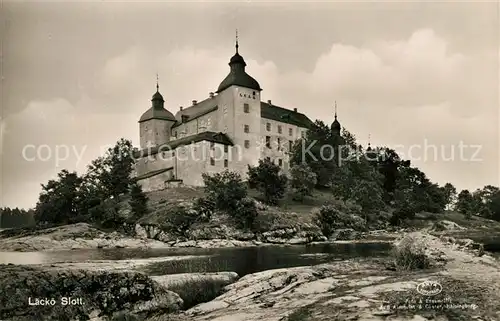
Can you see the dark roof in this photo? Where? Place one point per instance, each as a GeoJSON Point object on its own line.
{"type": "Point", "coordinates": [238, 76]}
{"type": "Point", "coordinates": [284, 115]}
{"type": "Point", "coordinates": [336, 125]}
{"type": "Point", "coordinates": [219, 138]}
{"type": "Point", "coordinates": [157, 111]}
{"type": "Point", "coordinates": [153, 173]}
{"type": "Point", "coordinates": [202, 108]}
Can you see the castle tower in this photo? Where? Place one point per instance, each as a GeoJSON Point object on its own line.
{"type": "Point", "coordinates": [240, 113]}
{"type": "Point", "coordinates": [156, 123]}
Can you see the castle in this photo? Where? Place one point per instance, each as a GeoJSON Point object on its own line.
{"type": "Point", "coordinates": [229, 130]}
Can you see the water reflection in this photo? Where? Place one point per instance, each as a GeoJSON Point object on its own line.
{"type": "Point", "coordinates": [240, 260]}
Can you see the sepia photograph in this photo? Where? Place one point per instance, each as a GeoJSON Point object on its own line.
{"type": "Point", "coordinates": [249, 160]}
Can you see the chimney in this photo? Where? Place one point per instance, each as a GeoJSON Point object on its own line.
{"type": "Point", "coordinates": [195, 102]}
{"type": "Point", "coordinates": [180, 108]}
{"type": "Point", "coordinates": [184, 118]}
{"type": "Point", "coordinates": [295, 110]}
{"type": "Point", "coordinates": [269, 101]}
{"type": "Point", "coordinates": [211, 95]}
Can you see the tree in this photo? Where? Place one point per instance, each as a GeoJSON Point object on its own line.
{"type": "Point", "coordinates": [266, 178]}
{"type": "Point", "coordinates": [303, 180]}
{"type": "Point", "coordinates": [225, 190]}
{"type": "Point", "coordinates": [59, 200]}
{"type": "Point", "coordinates": [450, 194]}
{"type": "Point", "coordinates": [138, 201]}
{"type": "Point", "coordinates": [464, 203]}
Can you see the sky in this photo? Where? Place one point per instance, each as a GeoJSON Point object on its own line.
{"type": "Point", "coordinates": [422, 77]}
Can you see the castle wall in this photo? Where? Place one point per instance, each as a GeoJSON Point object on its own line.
{"type": "Point", "coordinates": [284, 137]}
{"type": "Point", "coordinates": [207, 122]}
{"type": "Point", "coordinates": [154, 132]}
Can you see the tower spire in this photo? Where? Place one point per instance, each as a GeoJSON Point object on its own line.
{"type": "Point", "coordinates": [157, 85]}
{"type": "Point", "coordinates": [237, 41]}
{"type": "Point", "coordinates": [335, 110]}
{"type": "Point", "coordinates": [369, 140]}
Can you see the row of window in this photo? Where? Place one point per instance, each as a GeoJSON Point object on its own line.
{"type": "Point", "coordinates": [212, 162]}
{"type": "Point", "coordinates": [246, 129]}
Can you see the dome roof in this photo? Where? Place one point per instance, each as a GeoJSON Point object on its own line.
{"type": "Point", "coordinates": [157, 111]}
{"type": "Point", "coordinates": [238, 76]}
{"type": "Point", "coordinates": [336, 125]}
{"type": "Point", "coordinates": [157, 97]}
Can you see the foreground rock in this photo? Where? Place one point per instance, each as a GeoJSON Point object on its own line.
{"type": "Point", "coordinates": [94, 295]}
{"type": "Point", "coordinates": [355, 290]}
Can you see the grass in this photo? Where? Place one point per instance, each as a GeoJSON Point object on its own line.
{"type": "Point", "coordinates": [196, 292]}
{"type": "Point", "coordinates": [302, 314]}
{"type": "Point", "coordinates": [410, 255]}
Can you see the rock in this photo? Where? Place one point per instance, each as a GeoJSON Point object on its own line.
{"type": "Point", "coordinates": [100, 292]}
{"type": "Point", "coordinates": [445, 225]}
{"type": "Point", "coordinates": [175, 280]}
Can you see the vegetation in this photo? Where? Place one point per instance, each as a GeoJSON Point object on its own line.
{"type": "Point", "coordinates": [347, 186]}
{"type": "Point", "coordinates": [96, 195]}
{"type": "Point", "coordinates": [15, 217]}
{"type": "Point", "coordinates": [269, 180]}
{"type": "Point", "coordinates": [303, 181]}
{"type": "Point", "coordinates": [410, 255]}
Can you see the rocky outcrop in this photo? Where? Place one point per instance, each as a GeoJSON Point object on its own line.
{"type": "Point", "coordinates": [176, 280]}
{"type": "Point", "coordinates": [51, 294]}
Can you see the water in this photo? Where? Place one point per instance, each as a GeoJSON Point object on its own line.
{"type": "Point", "coordinates": [240, 260]}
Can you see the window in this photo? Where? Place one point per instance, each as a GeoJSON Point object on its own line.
{"type": "Point", "coordinates": [290, 132]}
{"type": "Point", "coordinates": [154, 157]}
{"type": "Point", "coordinates": [279, 144]}
{"type": "Point", "coordinates": [290, 145]}
{"type": "Point", "coordinates": [268, 159]}
{"type": "Point", "coordinates": [246, 108]}
{"type": "Point", "coordinates": [225, 148]}
{"type": "Point", "coordinates": [226, 163]}
{"type": "Point", "coordinates": [268, 127]}
{"type": "Point", "coordinates": [279, 129]}
{"type": "Point", "coordinates": [175, 134]}
{"type": "Point", "coordinates": [212, 161]}
{"type": "Point", "coordinates": [247, 129]}
{"type": "Point", "coordinates": [212, 145]}
{"type": "Point", "coordinates": [268, 141]}
{"type": "Point", "coordinates": [303, 134]}
{"type": "Point", "coordinates": [247, 144]}
{"type": "Point", "coordinates": [280, 162]}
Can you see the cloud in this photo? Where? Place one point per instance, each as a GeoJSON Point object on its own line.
{"type": "Point", "coordinates": [401, 92]}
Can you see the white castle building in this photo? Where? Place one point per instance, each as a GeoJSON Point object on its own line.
{"type": "Point", "coordinates": [231, 129]}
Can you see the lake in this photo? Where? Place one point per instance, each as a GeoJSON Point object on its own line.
{"type": "Point", "coordinates": [240, 260]}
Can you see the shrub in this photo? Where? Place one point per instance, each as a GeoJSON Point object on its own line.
{"type": "Point", "coordinates": [267, 179]}
{"type": "Point", "coordinates": [138, 201]}
{"type": "Point", "coordinates": [246, 213]}
{"type": "Point", "coordinates": [410, 255]}
{"type": "Point", "coordinates": [205, 208]}
{"type": "Point", "coordinates": [196, 292]}
{"type": "Point", "coordinates": [303, 181]}
{"type": "Point", "coordinates": [331, 217]}
{"type": "Point", "coordinates": [225, 190]}
{"type": "Point", "coordinates": [180, 219]}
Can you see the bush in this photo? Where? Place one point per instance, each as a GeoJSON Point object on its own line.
{"type": "Point", "coordinates": [267, 179]}
{"type": "Point", "coordinates": [303, 181]}
{"type": "Point", "coordinates": [225, 190]}
{"type": "Point", "coordinates": [180, 219]}
{"type": "Point", "coordinates": [205, 208]}
{"type": "Point", "coordinates": [246, 213]}
{"type": "Point", "coordinates": [410, 255]}
{"type": "Point", "coordinates": [332, 217]}
{"type": "Point", "coordinates": [138, 201]}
